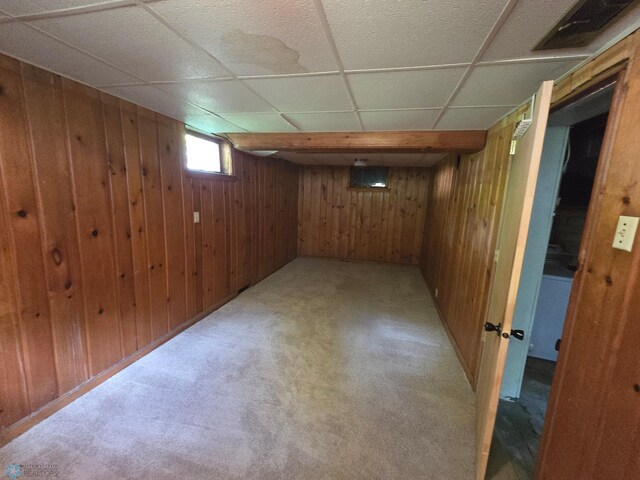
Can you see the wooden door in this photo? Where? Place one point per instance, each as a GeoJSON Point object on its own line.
{"type": "Point", "coordinates": [520, 191]}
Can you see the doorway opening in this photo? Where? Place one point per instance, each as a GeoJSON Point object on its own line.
{"type": "Point", "coordinates": [572, 145]}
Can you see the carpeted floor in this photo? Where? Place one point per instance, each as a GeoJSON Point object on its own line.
{"type": "Point", "coordinates": [325, 370]}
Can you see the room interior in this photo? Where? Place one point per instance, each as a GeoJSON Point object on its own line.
{"type": "Point", "coordinates": [277, 239]}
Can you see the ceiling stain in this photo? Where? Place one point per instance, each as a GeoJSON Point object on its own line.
{"type": "Point", "coordinates": [261, 50]}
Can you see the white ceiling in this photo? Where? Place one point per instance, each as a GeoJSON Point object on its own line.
{"type": "Point", "coordinates": [303, 65]}
{"type": "Point", "coordinates": [373, 159]}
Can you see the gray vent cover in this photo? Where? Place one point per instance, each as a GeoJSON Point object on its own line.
{"type": "Point", "coordinates": [583, 23]}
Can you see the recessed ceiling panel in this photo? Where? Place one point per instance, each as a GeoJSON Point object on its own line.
{"type": "Point", "coordinates": [211, 124]}
{"type": "Point", "coordinates": [508, 84]}
{"type": "Point", "coordinates": [525, 27]}
{"type": "Point", "coordinates": [477, 118]}
{"type": "Point", "coordinates": [531, 20]}
{"type": "Point", "coordinates": [150, 97]}
{"type": "Point", "coordinates": [260, 122]}
{"type": "Point", "coordinates": [135, 41]}
{"type": "Point", "coordinates": [21, 41]}
{"type": "Point", "coordinates": [399, 119]}
{"type": "Point", "coordinates": [255, 37]}
{"type": "Point", "coordinates": [407, 89]}
{"type": "Point", "coordinates": [304, 94]}
{"type": "Point", "coordinates": [227, 96]}
{"type": "Point", "coordinates": [28, 7]}
{"type": "Point", "coordinates": [325, 122]}
{"type": "Point", "coordinates": [389, 33]}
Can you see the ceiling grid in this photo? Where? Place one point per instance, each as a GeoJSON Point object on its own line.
{"type": "Point", "coordinates": [309, 65]}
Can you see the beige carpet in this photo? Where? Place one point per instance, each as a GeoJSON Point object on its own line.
{"type": "Point", "coordinates": [325, 370]}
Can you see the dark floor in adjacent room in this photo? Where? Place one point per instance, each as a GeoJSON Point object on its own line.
{"type": "Point", "coordinates": [519, 425]}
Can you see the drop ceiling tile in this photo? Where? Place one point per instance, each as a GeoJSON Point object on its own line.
{"type": "Point", "coordinates": [304, 160]}
{"type": "Point", "coordinates": [229, 96]}
{"type": "Point", "coordinates": [150, 97]}
{"type": "Point", "coordinates": [407, 89]}
{"type": "Point", "coordinates": [402, 159]}
{"type": "Point", "coordinates": [430, 159]}
{"type": "Point", "coordinates": [211, 124]}
{"type": "Point", "coordinates": [471, 118]}
{"type": "Point", "coordinates": [334, 159]}
{"type": "Point", "coordinates": [20, 41]}
{"type": "Point", "coordinates": [135, 41]}
{"type": "Point", "coordinates": [325, 122]}
{"type": "Point", "coordinates": [299, 158]}
{"type": "Point", "coordinates": [399, 119]}
{"type": "Point", "coordinates": [255, 37]}
{"type": "Point", "coordinates": [509, 84]}
{"type": "Point", "coordinates": [390, 33]}
{"type": "Point", "coordinates": [304, 94]}
{"type": "Point", "coordinates": [29, 7]}
{"type": "Point", "coordinates": [260, 122]}
{"type": "Point", "coordinates": [531, 20]}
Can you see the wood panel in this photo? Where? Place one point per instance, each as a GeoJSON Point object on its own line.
{"type": "Point", "coordinates": [465, 199]}
{"type": "Point", "coordinates": [591, 428]}
{"type": "Point", "coordinates": [384, 225]}
{"type": "Point", "coordinates": [99, 257]}
{"type": "Point", "coordinates": [32, 307]}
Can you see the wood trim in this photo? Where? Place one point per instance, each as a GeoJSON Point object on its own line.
{"type": "Point", "coordinates": [368, 189]}
{"type": "Point", "coordinates": [216, 177]}
{"type": "Point", "coordinates": [454, 344]}
{"type": "Point", "coordinates": [59, 403]}
{"type": "Point", "coordinates": [465, 141]}
{"type": "Point", "coordinates": [605, 65]}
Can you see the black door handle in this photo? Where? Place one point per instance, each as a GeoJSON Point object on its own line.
{"type": "Point", "coordinates": [490, 327]}
{"type": "Point", "coordinates": [518, 334]}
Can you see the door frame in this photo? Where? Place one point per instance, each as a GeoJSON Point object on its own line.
{"type": "Point", "coordinates": [588, 233]}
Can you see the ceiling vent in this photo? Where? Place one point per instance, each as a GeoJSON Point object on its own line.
{"type": "Point", "coordinates": [584, 22]}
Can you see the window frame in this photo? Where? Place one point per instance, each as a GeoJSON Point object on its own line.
{"type": "Point", "coordinates": [226, 158]}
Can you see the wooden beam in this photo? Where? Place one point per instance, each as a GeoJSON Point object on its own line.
{"type": "Point", "coordinates": [433, 141]}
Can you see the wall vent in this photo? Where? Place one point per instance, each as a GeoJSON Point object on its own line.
{"type": "Point", "coordinates": [583, 23]}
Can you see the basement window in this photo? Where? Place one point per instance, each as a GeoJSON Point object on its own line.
{"type": "Point", "coordinates": [369, 177]}
{"type": "Point", "coordinates": [206, 154]}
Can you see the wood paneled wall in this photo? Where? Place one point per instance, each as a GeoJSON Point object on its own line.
{"type": "Point", "coordinates": [592, 424]}
{"type": "Point", "coordinates": [382, 225]}
{"type": "Point", "coordinates": [465, 201]}
{"type": "Point", "coordinates": [99, 255]}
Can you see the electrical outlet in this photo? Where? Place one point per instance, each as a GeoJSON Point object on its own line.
{"type": "Point", "coordinates": [196, 217]}
{"type": "Point", "coordinates": [625, 233]}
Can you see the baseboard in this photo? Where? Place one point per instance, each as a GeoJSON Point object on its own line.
{"type": "Point", "coordinates": [452, 339]}
{"type": "Point", "coordinates": [21, 426]}
{"type": "Point", "coordinates": [361, 260]}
